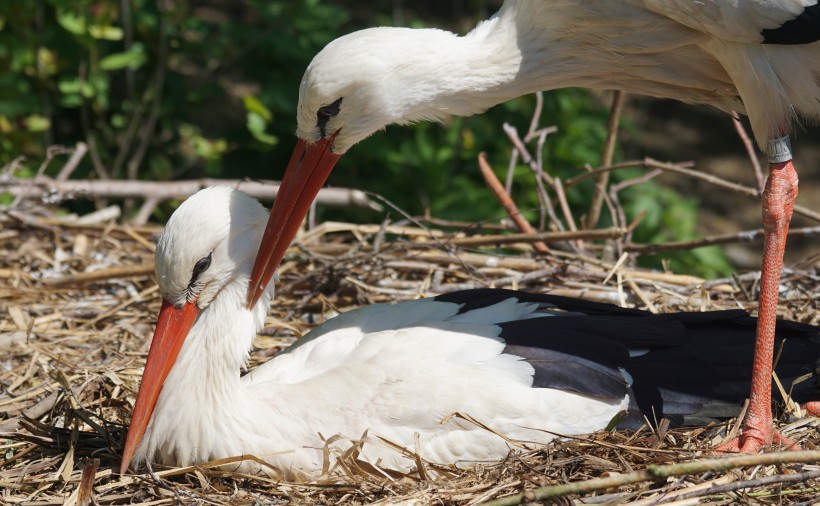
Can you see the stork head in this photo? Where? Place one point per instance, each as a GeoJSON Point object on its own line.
{"type": "Point", "coordinates": [208, 243]}
{"type": "Point", "coordinates": [347, 89]}
{"type": "Point", "coordinates": [358, 84]}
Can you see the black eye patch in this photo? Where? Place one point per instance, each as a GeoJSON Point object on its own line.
{"type": "Point", "coordinates": [326, 112]}
{"type": "Point", "coordinates": [201, 266]}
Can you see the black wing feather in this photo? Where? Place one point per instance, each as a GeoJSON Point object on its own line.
{"type": "Point", "coordinates": [804, 29]}
{"type": "Point", "coordinates": [691, 366]}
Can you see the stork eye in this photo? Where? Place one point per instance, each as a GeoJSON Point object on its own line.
{"type": "Point", "coordinates": [201, 266]}
{"type": "Point", "coordinates": [326, 112]}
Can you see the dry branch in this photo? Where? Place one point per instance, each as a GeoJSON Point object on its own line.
{"type": "Point", "coordinates": [681, 168]}
{"type": "Point", "coordinates": [609, 153]}
{"type": "Point", "coordinates": [748, 144]}
{"type": "Point", "coordinates": [100, 275]}
{"type": "Point", "coordinates": [658, 472]}
{"type": "Point", "coordinates": [776, 479]}
{"type": "Point", "coordinates": [504, 199]}
{"type": "Point", "coordinates": [711, 240]}
{"type": "Point", "coordinates": [572, 235]}
{"type": "Point", "coordinates": [50, 190]}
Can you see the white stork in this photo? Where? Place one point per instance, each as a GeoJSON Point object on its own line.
{"type": "Point", "coordinates": [760, 57]}
{"type": "Point", "coordinates": [423, 375]}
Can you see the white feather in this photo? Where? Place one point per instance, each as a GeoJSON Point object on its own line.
{"type": "Point", "coordinates": [399, 372]}
{"type": "Point", "coordinates": [705, 52]}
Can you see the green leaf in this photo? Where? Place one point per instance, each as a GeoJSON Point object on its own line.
{"type": "Point", "coordinates": [210, 149]}
{"type": "Point", "coordinates": [75, 86]}
{"type": "Point", "coordinates": [252, 104]}
{"type": "Point", "coordinates": [133, 59]}
{"type": "Point", "coordinates": [37, 123]}
{"type": "Point", "coordinates": [105, 32]}
{"type": "Point", "coordinates": [256, 126]}
{"type": "Point", "coordinates": [71, 21]}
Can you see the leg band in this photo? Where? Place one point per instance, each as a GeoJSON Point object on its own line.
{"type": "Point", "coordinates": [779, 150]}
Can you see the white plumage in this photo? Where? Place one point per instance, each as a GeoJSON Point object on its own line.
{"type": "Point", "coordinates": [393, 370]}
{"type": "Point", "coordinates": [697, 52]}
{"type": "Point", "coordinates": [443, 377]}
{"type": "Point", "coordinates": [758, 57]}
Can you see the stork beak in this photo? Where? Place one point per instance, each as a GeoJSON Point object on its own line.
{"type": "Point", "coordinates": [307, 171]}
{"type": "Point", "coordinates": [173, 326]}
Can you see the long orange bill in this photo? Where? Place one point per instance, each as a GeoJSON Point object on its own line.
{"type": "Point", "coordinates": [173, 326]}
{"type": "Point", "coordinates": [307, 171]}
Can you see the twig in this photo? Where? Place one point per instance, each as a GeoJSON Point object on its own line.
{"type": "Point", "coordinates": [620, 213]}
{"type": "Point", "coordinates": [536, 117]}
{"type": "Point", "coordinates": [765, 480]}
{"type": "Point", "coordinates": [609, 152]}
{"type": "Point", "coordinates": [545, 206]}
{"type": "Point", "coordinates": [750, 150]}
{"type": "Point", "coordinates": [663, 495]}
{"type": "Point", "coordinates": [106, 214]}
{"type": "Point", "coordinates": [148, 206]}
{"type": "Point", "coordinates": [99, 167]}
{"type": "Point", "coordinates": [51, 152]}
{"type": "Point", "coordinates": [512, 133]}
{"type": "Point", "coordinates": [744, 236]}
{"type": "Point", "coordinates": [562, 201]}
{"type": "Point", "coordinates": [34, 412]}
{"type": "Point", "coordinates": [511, 169]}
{"type": "Point", "coordinates": [657, 472]}
{"type": "Point", "coordinates": [607, 233]}
{"type": "Point", "coordinates": [76, 157]}
{"type": "Point", "coordinates": [680, 168]}
{"type": "Point", "coordinates": [102, 274]}
{"type": "Point", "coordinates": [464, 226]}
{"type": "Point", "coordinates": [504, 199]}
{"type": "Point", "coordinates": [536, 167]}
{"type": "Point", "coordinates": [46, 188]}
{"type": "Point", "coordinates": [543, 196]}
{"type": "Point", "coordinates": [9, 168]}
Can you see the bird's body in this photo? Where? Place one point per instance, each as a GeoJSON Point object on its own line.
{"type": "Point", "coordinates": [393, 383]}
{"type": "Point", "coordinates": [445, 377]}
{"type": "Point", "coordinates": [759, 57]}
{"type": "Point", "coordinates": [696, 52]}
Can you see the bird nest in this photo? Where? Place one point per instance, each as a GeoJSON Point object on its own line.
{"type": "Point", "coordinates": [78, 305]}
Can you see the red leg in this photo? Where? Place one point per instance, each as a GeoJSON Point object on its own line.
{"type": "Point", "coordinates": [778, 202]}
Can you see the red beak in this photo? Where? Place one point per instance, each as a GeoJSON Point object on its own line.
{"type": "Point", "coordinates": [173, 326]}
{"type": "Point", "coordinates": [307, 171]}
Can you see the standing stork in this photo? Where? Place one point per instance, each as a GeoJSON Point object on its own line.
{"type": "Point", "coordinates": [760, 57]}
{"type": "Point", "coordinates": [455, 378]}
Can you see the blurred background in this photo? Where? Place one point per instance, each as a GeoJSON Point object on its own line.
{"type": "Point", "coordinates": [184, 89]}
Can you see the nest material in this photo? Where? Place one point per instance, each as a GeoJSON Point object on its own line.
{"type": "Point", "coordinates": [78, 306]}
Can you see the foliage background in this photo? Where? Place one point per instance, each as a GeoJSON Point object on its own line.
{"type": "Point", "coordinates": [174, 89]}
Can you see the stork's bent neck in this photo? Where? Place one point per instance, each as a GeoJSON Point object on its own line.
{"type": "Point", "coordinates": [202, 396]}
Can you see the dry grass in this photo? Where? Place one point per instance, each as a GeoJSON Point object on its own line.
{"type": "Point", "coordinates": [78, 305]}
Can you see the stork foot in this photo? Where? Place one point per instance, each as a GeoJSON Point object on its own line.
{"type": "Point", "coordinates": [754, 439]}
{"type": "Point", "coordinates": [812, 408]}
{"type": "Point", "coordinates": [759, 434]}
